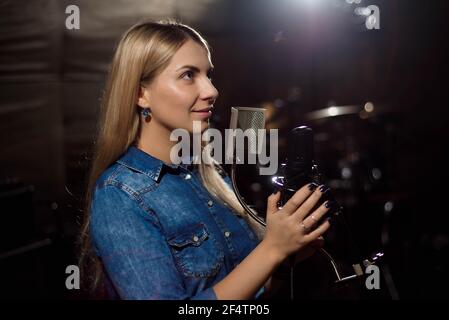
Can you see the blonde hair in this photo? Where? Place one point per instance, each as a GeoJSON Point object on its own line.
{"type": "Point", "coordinates": [142, 53]}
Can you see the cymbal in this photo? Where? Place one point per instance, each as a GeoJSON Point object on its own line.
{"type": "Point", "coordinates": [363, 111]}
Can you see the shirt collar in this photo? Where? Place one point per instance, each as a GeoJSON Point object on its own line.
{"type": "Point", "coordinates": [138, 160]}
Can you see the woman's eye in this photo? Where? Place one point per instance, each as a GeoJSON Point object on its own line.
{"type": "Point", "coordinates": [188, 75]}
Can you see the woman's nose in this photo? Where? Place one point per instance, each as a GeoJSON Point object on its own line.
{"type": "Point", "coordinates": [209, 91]}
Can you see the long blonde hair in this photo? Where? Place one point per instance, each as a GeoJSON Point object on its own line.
{"type": "Point", "coordinates": [142, 53]}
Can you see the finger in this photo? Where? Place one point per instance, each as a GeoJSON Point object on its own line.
{"type": "Point", "coordinates": [310, 203]}
{"type": "Point", "coordinates": [299, 197]}
{"type": "Point", "coordinates": [318, 231]}
{"type": "Point", "coordinates": [315, 216]}
{"type": "Point", "coordinates": [272, 202]}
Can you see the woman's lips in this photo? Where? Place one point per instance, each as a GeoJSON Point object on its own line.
{"type": "Point", "coordinates": [203, 114]}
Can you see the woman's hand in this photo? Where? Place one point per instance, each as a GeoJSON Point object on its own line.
{"type": "Point", "coordinates": [292, 229]}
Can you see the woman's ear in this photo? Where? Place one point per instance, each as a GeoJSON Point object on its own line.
{"type": "Point", "coordinates": [143, 97]}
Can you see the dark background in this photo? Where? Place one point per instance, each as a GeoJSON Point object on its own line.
{"type": "Point", "coordinates": [290, 56]}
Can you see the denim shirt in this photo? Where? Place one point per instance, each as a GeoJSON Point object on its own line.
{"type": "Point", "coordinates": [160, 234]}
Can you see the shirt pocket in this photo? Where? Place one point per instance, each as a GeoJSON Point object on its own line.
{"type": "Point", "coordinates": [196, 252]}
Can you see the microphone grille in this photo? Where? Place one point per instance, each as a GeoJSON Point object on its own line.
{"type": "Point", "coordinates": [245, 118]}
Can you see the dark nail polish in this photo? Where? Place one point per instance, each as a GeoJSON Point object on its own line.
{"type": "Point", "coordinates": [329, 204]}
{"type": "Point", "coordinates": [312, 186]}
{"type": "Point", "coordinates": [324, 188]}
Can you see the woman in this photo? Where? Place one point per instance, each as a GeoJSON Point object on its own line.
{"type": "Point", "coordinates": [159, 230]}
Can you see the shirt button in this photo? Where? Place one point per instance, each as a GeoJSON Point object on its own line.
{"type": "Point", "coordinates": [227, 234]}
{"type": "Point", "coordinates": [188, 176]}
{"type": "Point", "coordinates": [210, 203]}
{"type": "Point", "coordinates": [195, 238]}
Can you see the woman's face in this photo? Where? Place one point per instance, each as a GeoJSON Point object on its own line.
{"type": "Point", "coordinates": [183, 88]}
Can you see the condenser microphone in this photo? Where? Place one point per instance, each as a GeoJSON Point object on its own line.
{"type": "Point", "coordinates": [300, 166]}
{"type": "Point", "coordinates": [245, 122]}
{"type": "Point", "coordinates": [300, 169]}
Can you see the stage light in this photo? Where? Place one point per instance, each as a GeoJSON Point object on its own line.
{"type": "Point", "coordinates": [310, 4]}
{"type": "Point", "coordinates": [332, 111]}
{"type": "Point", "coordinates": [346, 173]}
{"type": "Point", "coordinates": [376, 173]}
{"type": "Point", "coordinates": [388, 206]}
{"type": "Point", "coordinates": [369, 107]}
